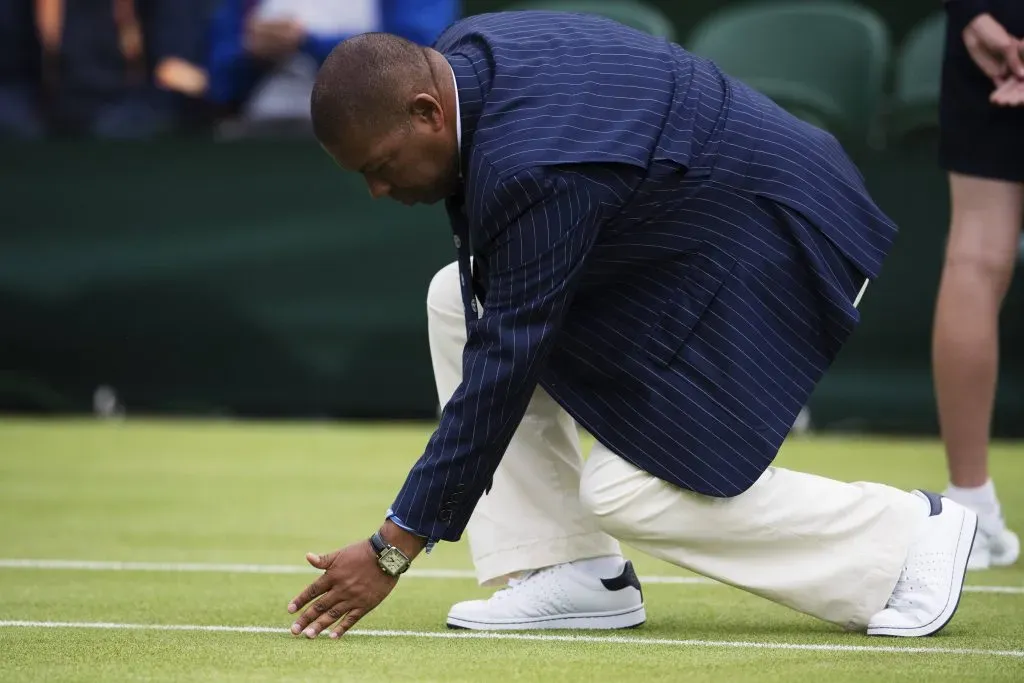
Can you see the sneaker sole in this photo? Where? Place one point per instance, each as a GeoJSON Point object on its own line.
{"type": "Point", "coordinates": [602, 621]}
{"type": "Point", "coordinates": [964, 545]}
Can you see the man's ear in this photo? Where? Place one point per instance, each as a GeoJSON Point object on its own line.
{"type": "Point", "coordinates": [427, 109]}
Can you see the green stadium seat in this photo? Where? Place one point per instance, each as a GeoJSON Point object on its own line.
{"type": "Point", "coordinates": [632, 13]}
{"type": "Point", "coordinates": [915, 100]}
{"type": "Point", "coordinates": [822, 61]}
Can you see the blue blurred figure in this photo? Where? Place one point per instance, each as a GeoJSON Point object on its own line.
{"type": "Point", "coordinates": [264, 54]}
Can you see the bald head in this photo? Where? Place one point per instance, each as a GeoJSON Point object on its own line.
{"type": "Point", "coordinates": [367, 81]}
{"type": "Point", "coordinates": [386, 108]}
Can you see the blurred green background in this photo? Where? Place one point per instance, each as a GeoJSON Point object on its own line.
{"type": "Point", "coordinates": [252, 278]}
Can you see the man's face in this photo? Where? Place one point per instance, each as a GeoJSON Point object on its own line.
{"type": "Point", "coordinates": [414, 162]}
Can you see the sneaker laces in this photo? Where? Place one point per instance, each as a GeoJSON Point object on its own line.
{"type": "Point", "coordinates": [515, 585]}
{"type": "Point", "coordinates": [912, 584]}
{"type": "Point", "coordinates": [900, 598]}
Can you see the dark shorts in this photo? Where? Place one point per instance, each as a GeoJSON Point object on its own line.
{"type": "Point", "coordinates": [977, 138]}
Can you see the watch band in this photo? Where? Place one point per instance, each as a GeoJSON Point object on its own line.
{"type": "Point", "coordinates": [378, 543]}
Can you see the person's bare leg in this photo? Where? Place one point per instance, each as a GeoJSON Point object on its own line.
{"type": "Point", "coordinates": [980, 257]}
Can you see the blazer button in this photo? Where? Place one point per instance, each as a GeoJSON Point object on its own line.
{"type": "Point", "coordinates": [446, 515]}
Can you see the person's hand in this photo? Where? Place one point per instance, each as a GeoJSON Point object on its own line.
{"type": "Point", "coordinates": [351, 586]}
{"type": "Point", "coordinates": [273, 39]}
{"type": "Point", "coordinates": [996, 52]}
{"type": "Point", "coordinates": [174, 73]}
{"type": "Point", "coordinates": [1009, 94]}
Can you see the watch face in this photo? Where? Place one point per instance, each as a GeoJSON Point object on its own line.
{"type": "Point", "coordinates": [393, 561]}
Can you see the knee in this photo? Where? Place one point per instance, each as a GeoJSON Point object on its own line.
{"type": "Point", "coordinates": [444, 295]}
{"type": "Point", "coordinates": [979, 278]}
{"type": "Point", "coordinates": [980, 258]}
{"type": "Point", "coordinates": [980, 263]}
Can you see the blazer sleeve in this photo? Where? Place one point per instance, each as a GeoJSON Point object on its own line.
{"type": "Point", "coordinates": [543, 228]}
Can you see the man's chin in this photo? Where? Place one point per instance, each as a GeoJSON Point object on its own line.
{"type": "Point", "coordinates": [431, 198]}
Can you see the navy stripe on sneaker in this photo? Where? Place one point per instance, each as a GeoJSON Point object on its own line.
{"type": "Point", "coordinates": [626, 579]}
{"type": "Point", "coordinates": [935, 500]}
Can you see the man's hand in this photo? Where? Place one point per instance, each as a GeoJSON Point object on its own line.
{"type": "Point", "coordinates": [995, 51]}
{"type": "Point", "coordinates": [273, 39]}
{"type": "Point", "coordinates": [351, 586]}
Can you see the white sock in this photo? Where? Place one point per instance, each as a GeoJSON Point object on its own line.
{"type": "Point", "coordinates": [982, 499]}
{"type": "Point", "coordinates": [607, 567]}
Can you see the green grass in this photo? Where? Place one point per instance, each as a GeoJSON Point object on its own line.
{"type": "Point", "coordinates": [213, 492]}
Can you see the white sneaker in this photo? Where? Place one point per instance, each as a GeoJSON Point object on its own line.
{"type": "Point", "coordinates": [928, 591]}
{"type": "Point", "coordinates": [995, 546]}
{"type": "Point", "coordinates": [557, 597]}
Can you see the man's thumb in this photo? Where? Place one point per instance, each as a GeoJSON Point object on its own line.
{"type": "Point", "coordinates": [320, 561]}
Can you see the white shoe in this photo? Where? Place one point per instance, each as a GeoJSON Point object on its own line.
{"type": "Point", "coordinates": [928, 591]}
{"type": "Point", "coordinates": [995, 546]}
{"type": "Point", "coordinates": [557, 597]}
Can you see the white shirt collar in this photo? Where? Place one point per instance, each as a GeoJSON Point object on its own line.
{"type": "Point", "coordinates": [458, 117]}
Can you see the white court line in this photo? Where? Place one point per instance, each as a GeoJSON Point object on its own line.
{"type": "Point", "coordinates": [215, 568]}
{"type": "Point", "coordinates": [480, 635]}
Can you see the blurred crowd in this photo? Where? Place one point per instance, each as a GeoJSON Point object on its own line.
{"type": "Point", "coordinates": [143, 68]}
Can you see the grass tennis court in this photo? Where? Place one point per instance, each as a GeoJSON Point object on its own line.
{"type": "Point", "coordinates": [168, 551]}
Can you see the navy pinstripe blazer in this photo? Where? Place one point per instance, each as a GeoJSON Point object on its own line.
{"type": "Point", "coordinates": [611, 183]}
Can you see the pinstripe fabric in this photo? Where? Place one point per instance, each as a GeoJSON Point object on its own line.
{"type": "Point", "coordinates": [670, 255]}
